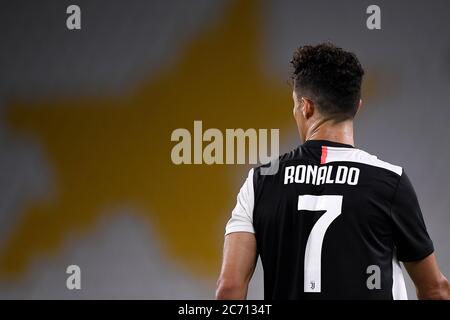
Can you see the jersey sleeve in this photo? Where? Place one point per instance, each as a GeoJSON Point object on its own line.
{"type": "Point", "coordinates": [242, 215]}
{"type": "Point", "coordinates": [409, 232]}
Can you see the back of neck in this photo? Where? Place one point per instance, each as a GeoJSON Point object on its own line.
{"type": "Point", "coordinates": [341, 132]}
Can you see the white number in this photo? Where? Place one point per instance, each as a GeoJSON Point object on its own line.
{"type": "Point", "coordinates": [313, 251]}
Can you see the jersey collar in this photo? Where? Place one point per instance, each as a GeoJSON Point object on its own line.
{"type": "Point", "coordinates": [320, 143]}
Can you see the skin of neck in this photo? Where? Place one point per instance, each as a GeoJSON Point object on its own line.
{"type": "Point", "coordinates": [328, 129]}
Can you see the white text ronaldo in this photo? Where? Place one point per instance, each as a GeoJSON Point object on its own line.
{"type": "Point", "coordinates": [317, 175]}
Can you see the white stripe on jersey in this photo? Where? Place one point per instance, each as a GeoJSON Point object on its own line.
{"type": "Point", "coordinates": [398, 282]}
{"type": "Point", "coordinates": [335, 154]}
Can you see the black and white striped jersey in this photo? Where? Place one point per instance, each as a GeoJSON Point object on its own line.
{"type": "Point", "coordinates": [332, 223]}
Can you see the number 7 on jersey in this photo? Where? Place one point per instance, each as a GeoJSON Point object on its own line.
{"type": "Point", "coordinates": [313, 252]}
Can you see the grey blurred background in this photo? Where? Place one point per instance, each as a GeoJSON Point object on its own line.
{"type": "Point", "coordinates": [128, 58]}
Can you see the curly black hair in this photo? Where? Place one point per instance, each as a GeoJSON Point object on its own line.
{"type": "Point", "coordinates": [330, 77]}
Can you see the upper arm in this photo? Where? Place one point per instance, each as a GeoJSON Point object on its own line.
{"type": "Point", "coordinates": [239, 258]}
{"type": "Point", "coordinates": [240, 250]}
{"type": "Point", "coordinates": [239, 254]}
{"type": "Point", "coordinates": [428, 279]}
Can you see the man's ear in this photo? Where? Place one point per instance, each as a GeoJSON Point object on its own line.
{"type": "Point", "coordinates": [308, 108]}
{"type": "Point", "coordinates": [360, 106]}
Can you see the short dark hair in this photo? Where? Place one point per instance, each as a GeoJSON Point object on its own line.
{"type": "Point", "coordinates": [330, 77]}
